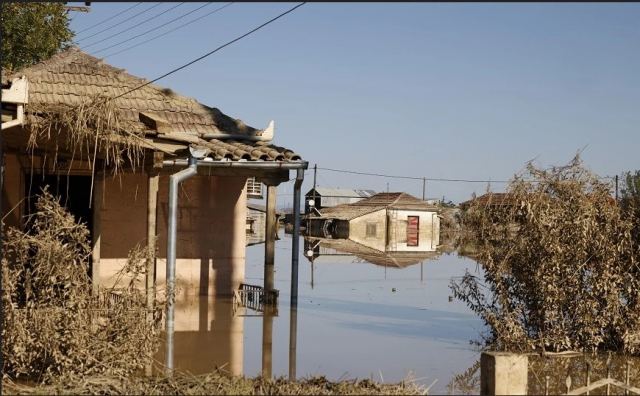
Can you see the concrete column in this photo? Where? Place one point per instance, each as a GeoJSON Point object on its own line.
{"type": "Point", "coordinates": [96, 206]}
{"type": "Point", "coordinates": [503, 373]}
{"type": "Point", "coordinates": [271, 230]}
{"type": "Point", "coordinates": [152, 204]}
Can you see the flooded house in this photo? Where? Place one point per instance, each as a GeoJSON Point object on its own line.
{"type": "Point", "coordinates": [324, 197]}
{"type": "Point", "coordinates": [139, 164]}
{"type": "Point", "coordinates": [387, 222]}
{"type": "Point", "coordinates": [256, 223]}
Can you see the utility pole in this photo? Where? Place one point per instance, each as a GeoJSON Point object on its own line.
{"type": "Point", "coordinates": [424, 187]}
{"type": "Point", "coordinates": [616, 188]}
{"type": "Point", "coordinates": [387, 186]}
{"type": "Point", "coordinates": [315, 174]}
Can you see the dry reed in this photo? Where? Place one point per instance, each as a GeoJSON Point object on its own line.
{"type": "Point", "coordinates": [559, 264]}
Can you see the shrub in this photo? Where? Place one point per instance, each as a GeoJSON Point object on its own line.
{"type": "Point", "coordinates": [559, 265]}
{"type": "Point", "coordinates": [53, 324]}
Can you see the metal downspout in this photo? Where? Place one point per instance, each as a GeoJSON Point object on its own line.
{"type": "Point", "coordinates": [174, 183]}
{"type": "Point", "coordinates": [293, 312]}
{"type": "Point", "coordinates": [296, 237]}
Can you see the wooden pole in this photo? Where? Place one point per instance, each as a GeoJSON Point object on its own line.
{"type": "Point", "coordinates": [152, 210]}
{"type": "Point", "coordinates": [270, 239]}
{"type": "Point", "coordinates": [96, 231]}
{"type": "Point", "coordinates": [267, 342]}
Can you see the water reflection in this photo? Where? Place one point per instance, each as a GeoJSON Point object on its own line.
{"type": "Point", "coordinates": [354, 325]}
{"type": "Point", "coordinates": [206, 335]}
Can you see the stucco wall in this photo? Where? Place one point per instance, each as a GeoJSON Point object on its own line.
{"type": "Point", "coordinates": [358, 229]}
{"type": "Point", "coordinates": [211, 231]}
{"type": "Point", "coordinates": [211, 224]}
{"type": "Point", "coordinates": [428, 232]}
{"type": "Point", "coordinates": [12, 191]}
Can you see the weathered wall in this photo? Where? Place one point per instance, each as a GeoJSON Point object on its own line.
{"type": "Point", "coordinates": [258, 219]}
{"type": "Point", "coordinates": [12, 191]}
{"type": "Point", "coordinates": [211, 223]}
{"type": "Point", "coordinates": [211, 230]}
{"type": "Point", "coordinates": [428, 232]}
{"type": "Point", "coordinates": [358, 229]}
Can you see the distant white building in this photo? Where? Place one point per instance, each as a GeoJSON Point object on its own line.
{"type": "Point", "coordinates": [329, 197]}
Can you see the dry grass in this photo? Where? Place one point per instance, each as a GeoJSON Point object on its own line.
{"type": "Point", "coordinates": [560, 265]}
{"type": "Point", "coordinates": [89, 130]}
{"type": "Point", "coordinates": [215, 383]}
{"type": "Point", "coordinates": [53, 325]}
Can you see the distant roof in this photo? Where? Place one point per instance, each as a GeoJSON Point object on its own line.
{"type": "Point", "coordinates": [72, 78]}
{"type": "Point", "coordinates": [396, 200]}
{"type": "Point", "coordinates": [261, 208]}
{"type": "Point", "coordinates": [491, 198]}
{"type": "Point", "coordinates": [342, 192]}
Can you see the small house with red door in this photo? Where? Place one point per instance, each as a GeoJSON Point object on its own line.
{"type": "Point", "coordinates": [387, 222]}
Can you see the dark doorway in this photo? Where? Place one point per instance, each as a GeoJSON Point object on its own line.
{"type": "Point", "coordinates": [72, 192]}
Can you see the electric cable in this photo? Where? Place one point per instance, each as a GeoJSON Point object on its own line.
{"type": "Point", "coordinates": [133, 27]}
{"type": "Point", "coordinates": [153, 29]}
{"type": "Point", "coordinates": [169, 31]}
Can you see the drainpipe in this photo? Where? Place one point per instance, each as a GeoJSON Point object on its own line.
{"type": "Point", "coordinates": [174, 183]}
{"type": "Point", "coordinates": [293, 312]}
{"type": "Point", "coordinates": [296, 236]}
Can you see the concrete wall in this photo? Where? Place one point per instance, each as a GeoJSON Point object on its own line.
{"type": "Point", "coordinates": [258, 221]}
{"type": "Point", "coordinates": [358, 229]}
{"type": "Point", "coordinates": [428, 232]}
{"type": "Point", "coordinates": [12, 191]}
{"type": "Point", "coordinates": [503, 373]}
{"type": "Point", "coordinates": [211, 231]}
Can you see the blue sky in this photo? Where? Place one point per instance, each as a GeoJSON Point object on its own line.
{"type": "Point", "coordinates": [448, 90]}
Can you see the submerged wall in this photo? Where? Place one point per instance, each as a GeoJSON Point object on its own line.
{"type": "Point", "coordinates": [211, 231]}
{"type": "Point", "coordinates": [428, 231]}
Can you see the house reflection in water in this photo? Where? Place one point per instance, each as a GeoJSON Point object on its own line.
{"type": "Point", "coordinates": [387, 229]}
{"type": "Point", "coordinates": [207, 335]}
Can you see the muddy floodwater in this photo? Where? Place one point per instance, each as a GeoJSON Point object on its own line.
{"type": "Point", "coordinates": [355, 319]}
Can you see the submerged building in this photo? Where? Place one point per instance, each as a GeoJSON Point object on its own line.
{"type": "Point", "coordinates": [386, 222]}
{"type": "Point", "coordinates": [328, 197]}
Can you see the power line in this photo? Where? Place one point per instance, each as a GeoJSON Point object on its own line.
{"type": "Point", "coordinates": [213, 51]}
{"type": "Point", "coordinates": [133, 27]}
{"type": "Point", "coordinates": [120, 23]}
{"type": "Point", "coordinates": [153, 29]}
{"type": "Point", "coordinates": [169, 31]}
{"type": "Point", "coordinates": [108, 19]}
{"type": "Point", "coordinates": [415, 177]}
{"type": "Point", "coordinates": [431, 178]}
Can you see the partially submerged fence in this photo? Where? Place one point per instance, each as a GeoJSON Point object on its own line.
{"type": "Point", "coordinates": [256, 298]}
{"type": "Point", "coordinates": [554, 374]}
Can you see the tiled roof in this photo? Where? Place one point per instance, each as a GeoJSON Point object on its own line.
{"type": "Point", "coordinates": [348, 211]}
{"type": "Point", "coordinates": [341, 192]}
{"type": "Point", "coordinates": [72, 77]}
{"type": "Point", "coordinates": [490, 199]}
{"type": "Point", "coordinates": [396, 200]}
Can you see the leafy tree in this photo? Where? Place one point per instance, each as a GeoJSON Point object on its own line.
{"type": "Point", "coordinates": [32, 32]}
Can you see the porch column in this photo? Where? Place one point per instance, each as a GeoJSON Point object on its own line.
{"type": "Point", "coordinates": [271, 230]}
{"type": "Point", "coordinates": [152, 205]}
{"type": "Point", "coordinates": [96, 231]}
